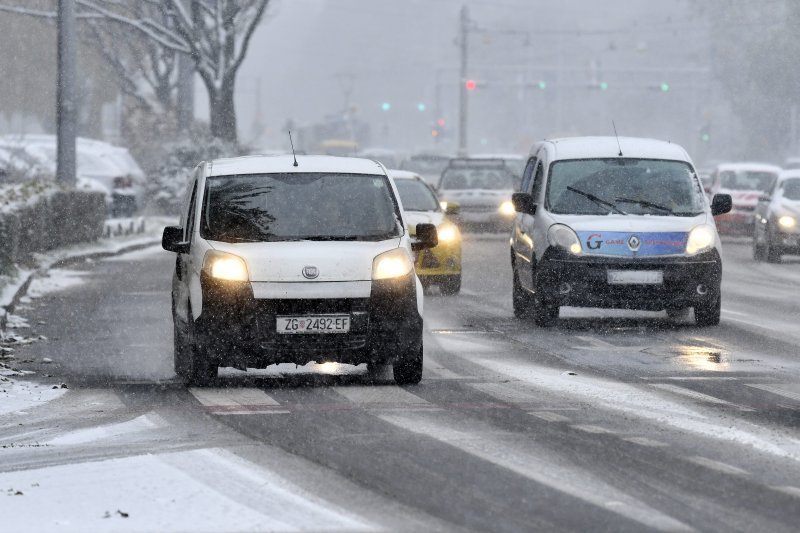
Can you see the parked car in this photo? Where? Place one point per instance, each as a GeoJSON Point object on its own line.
{"type": "Point", "coordinates": [596, 228]}
{"type": "Point", "coordinates": [776, 231]}
{"type": "Point", "coordinates": [745, 182]}
{"type": "Point", "coordinates": [482, 188]}
{"type": "Point", "coordinates": [439, 266]}
{"type": "Point", "coordinates": [284, 261]}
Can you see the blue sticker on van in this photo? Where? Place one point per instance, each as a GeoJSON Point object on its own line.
{"type": "Point", "coordinates": [631, 244]}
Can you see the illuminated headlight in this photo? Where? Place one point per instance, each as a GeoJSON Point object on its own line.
{"type": "Point", "coordinates": [443, 205]}
{"type": "Point", "coordinates": [224, 266]}
{"type": "Point", "coordinates": [700, 239]}
{"type": "Point", "coordinates": [392, 264]}
{"type": "Point", "coordinates": [447, 233]}
{"type": "Point", "coordinates": [507, 208]}
{"type": "Point", "coordinates": [787, 222]}
{"type": "Point", "coordinates": [563, 237]}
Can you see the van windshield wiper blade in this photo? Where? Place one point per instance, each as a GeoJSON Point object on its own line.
{"type": "Point", "coordinates": [598, 201]}
{"type": "Point", "coordinates": [645, 203]}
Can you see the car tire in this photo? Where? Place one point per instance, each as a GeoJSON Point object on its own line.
{"type": "Point", "coordinates": [545, 315]}
{"type": "Point", "coordinates": [520, 299]}
{"type": "Point", "coordinates": [708, 314]}
{"type": "Point", "coordinates": [408, 369]}
{"type": "Point", "coordinates": [772, 253]}
{"type": "Point", "coordinates": [451, 285]}
{"type": "Point", "coordinates": [758, 248]}
{"type": "Point", "coordinates": [375, 369]}
{"type": "Point", "coordinates": [192, 362]}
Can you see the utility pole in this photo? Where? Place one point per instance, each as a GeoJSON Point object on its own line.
{"type": "Point", "coordinates": [185, 94]}
{"type": "Point", "coordinates": [463, 107]}
{"type": "Point", "coordinates": [66, 104]}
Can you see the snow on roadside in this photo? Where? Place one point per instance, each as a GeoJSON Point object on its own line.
{"type": "Point", "coordinates": [19, 396]}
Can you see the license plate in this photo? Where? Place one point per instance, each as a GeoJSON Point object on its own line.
{"type": "Point", "coordinates": [313, 324]}
{"type": "Point", "coordinates": [635, 277]}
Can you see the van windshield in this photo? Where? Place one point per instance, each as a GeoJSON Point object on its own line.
{"type": "Point", "coordinates": [624, 186]}
{"type": "Point", "coordinates": [747, 180]}
{"type": "Point", "coordinates": [299, 206]}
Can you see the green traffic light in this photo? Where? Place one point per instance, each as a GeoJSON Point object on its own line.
{"type": "Point", "coordinates": [386, 106]}
{"type": "Point", "coordinates": [543, 85]}
{"type": "Point", "coordinates": [603, 86]}
{"type": "Point", "coordinates": [420, 107]}
{"type": "Point", "coordinates": [706, 137]}
{"type": "Point", "coordinates": [664, 87]}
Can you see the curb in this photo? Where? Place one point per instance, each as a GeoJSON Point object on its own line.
{"type": "Point", "coordinates": [66, 261]}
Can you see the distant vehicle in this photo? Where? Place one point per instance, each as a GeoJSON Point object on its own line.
{"type": "Point", "coordinates": [283, 263]}
{"type": "Point", "coordinates": [340, 147]}
{"type": "Point", "coordinates": [483, 189]}
{"type": "Point", "coordinates": [597, 229]}
{"type": "Point", "coordinates": [427, 165]}
{"type": "Point", "coordinates": [791, 163]}
{"type": "Point", "coordinates": [440, 266]}
{"type": "Point", "coordinates": [99, 165]}
{"type": "Point", "coordinates": [515, 162]}
{"type": "Point", "coordinates": [776, 230]}
{"type": "Point", "coordinates": [745, 182]}
{"type": "Point", "coordinates": [385, 156]}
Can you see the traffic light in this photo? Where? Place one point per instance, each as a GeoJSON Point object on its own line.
{"type": "Point", "coordinates": [470, 85]}
{"type": "Point", "coordinates": [386, 106]}
{"type": "Point", "coordinates": [542, 85]}
{"type": "Point", "coordinates": [421, 107]}
{"type": "Point", "coordinates": [664, 87]}
{"type": "Point", "coordinates": [705, 132]}
{"type": "Point", "coordinates": [603, 86]}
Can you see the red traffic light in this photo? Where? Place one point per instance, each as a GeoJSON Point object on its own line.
{"type": "Point", "coordinates": [470, 85]}
{"type": "Point", "coordinates": [440, 123]}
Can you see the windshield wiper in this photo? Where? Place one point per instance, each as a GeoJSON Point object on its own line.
{"type": "Point", "coordinates": [645, 203]}
{"type": "Point", "coordinates": [598, 201]}
{"type": "Point", "coordinates": [329, 238]}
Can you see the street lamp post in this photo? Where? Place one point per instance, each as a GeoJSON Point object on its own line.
{"type": "Point", "coordinates": [66, 104]}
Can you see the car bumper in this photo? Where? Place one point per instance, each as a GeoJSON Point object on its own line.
{"type": "Point", "coordinates": [735, 223]}
{"type": "Point", "coordinates": [239, 330]}
{"type": "Point", "coordinates": [583, 282]}
{"type": "Point", "coordinates": [442, 260]}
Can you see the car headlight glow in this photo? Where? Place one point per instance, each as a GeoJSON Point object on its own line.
{"type": "Point", "coordinates": [443, 205]}
{"type": "Point", "coordinates": [392, 264]}
{"type": "Point", "coordinates": [787, 222]}
{"type": "Point", "coordinates": [563, 237]}
{"type": "Point", "coordinates": [507, 208]}
{"type": "Point", "coordinates": [224, 266]}
{"type": "Point", "coordinates": [700, 239]}
{"type": "Point", "coordinates": [447, 233]}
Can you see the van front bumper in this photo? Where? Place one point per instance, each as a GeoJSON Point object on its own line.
{"type": "Point", "coordinates": [237, 329]}
{"type": "Point", "coordinates": [583, 281]}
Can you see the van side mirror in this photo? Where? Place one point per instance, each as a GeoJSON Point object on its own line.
{"type": "Point", "coordinates": [172, 240]}
{"type": "Point", "coordinates": [523, 203]}
{"type": "Point", "coordinates": [721, 204]}
{"type": "Point", "coordinates": [427, 237]}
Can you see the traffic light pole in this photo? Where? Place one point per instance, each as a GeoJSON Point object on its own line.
{"type": "Point", "coordinates": [463, 108]}
{"type": "Point", "coordinates": [66, 104]}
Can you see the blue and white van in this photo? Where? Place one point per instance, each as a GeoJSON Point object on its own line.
{"type": "Point", "coordinates": [615, 223]}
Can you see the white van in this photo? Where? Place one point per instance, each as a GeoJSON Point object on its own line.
{"type": "Point", "coordinates": [615, 223]}
{"type": "Point", "coordinates": [284, 260]}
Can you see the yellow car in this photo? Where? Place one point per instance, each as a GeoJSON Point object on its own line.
{"type": "Point", "coordinates": [440, 265]}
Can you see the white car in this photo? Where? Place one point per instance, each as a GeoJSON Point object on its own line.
{"type": "Point", "coordinates": [295, 262]}
{"type": "Point", "coordinates": [776, 230]}
{"type": "Point", "coordinates": [615, 223]}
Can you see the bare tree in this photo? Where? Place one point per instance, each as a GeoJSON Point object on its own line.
{"type": "Point", "coordinates": [215, 33]}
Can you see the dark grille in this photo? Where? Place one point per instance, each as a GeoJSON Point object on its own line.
{"type": "Point", "coordinates": [321, 306]}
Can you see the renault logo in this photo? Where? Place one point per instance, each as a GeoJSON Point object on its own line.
{"type": "Point", "coordinates": [310, 272]}
{"type": "Point", "coordinates": [634, 242]}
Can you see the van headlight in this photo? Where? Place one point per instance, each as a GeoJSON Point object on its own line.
{"type": "Point", "coordinates": [787, 222]}
{"type": "Point", "coordinates": [225, 266]}
{"type": "Point", "coordinates": [565, 238]}
{"type": "Point", "coordinates": [507, 209]}
{"type": "Point", "coordinates": [700, 239]}
{"type": "Point", "coordinates": [392, 264]}
{"type": "Point", "coordinates": [447, 232]}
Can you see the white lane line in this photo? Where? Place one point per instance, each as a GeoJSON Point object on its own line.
{"type": "Point", "coordinates": [509, 451]}
{"type": "Point", "coordinates": [691, 378]}
{"type": "Point", "coordinates": [718, 466]}
{"type": "Point", "coordinates": [595, 343]}
{"type": "Point", "coordinates": [689, 393]}
{"type": "Point", "coordinates": [780, 390]}
{"type": "Point", "coordinates": [237, 401]}
{"type": "Point", "coordinates": [592, 429]}
{"type": "Point", "coordinates": [384, 397]}
{"type": "Point", "coordinates": [549, 416]}
{"type": "Point", "coordinates": [730, 312]}
{"type": "Point", "coordinates": [644, 441]}
{"type": "Point", "coordinates": [506, 393]}
{"type": "Point", "coordinates": [788, 489]}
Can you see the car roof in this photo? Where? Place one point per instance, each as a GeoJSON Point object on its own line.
{"type": "Point", "coordinates": [789, 174]}
{"type": "Point", "coordinates": [756, 167]}
{"type": "Point", "coordinates": [403, 175]}
{"type": "Point", "coordinates": [273, 164]}
{"type": "Point", "coordinates": [509, 156]}
{"type": "Point", "coordinates": [598, 147]}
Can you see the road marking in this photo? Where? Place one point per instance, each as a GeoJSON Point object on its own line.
{"type": "Point", "coordinates": [592, 429]}
{"type": "Point", "coordinates": [384, 397]}
{"type": "Point", "coordinates": [548, 416]}
{"type": "Point", "coordinates": [776, 389]}
{"type": "Point", "coordinates": [594, 342]}
{"type": "Point", "coordinates": [788, 489]}
{"type": "Point", "coordinates": [644, 441]}
{"type": "Point", "coordinates": [506, 393]}
{"type": "Point", "coordinates": [692, 378]}
{"type": "Point", "coordinates": [689, 393]}
{"type": "Point", "coordinates": [237, 401]}
{"type": "Point", "coordinates": [718, 466]}
{"type": "Point", "coordinates": [728, 311]}
{"type": "Point", "coordinates": [433, 366]}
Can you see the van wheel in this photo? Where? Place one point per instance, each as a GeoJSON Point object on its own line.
{"type": "Point", "coordinates": [758, 248]}
{"type": "Point", "coordinates": [544, 315]}
{"type": "Point", "coordinates": [520, 298]}
{"type": "Point", "coordinates": [451, 285]}
{"type": "Point", "coordinates": [772, 253]}
{"type": "Point", "coordinates": [408, 369]}
{"type": "Point", "coordinates": [708, 314]}
{"type": "Point", "coordinates": [192, 363]}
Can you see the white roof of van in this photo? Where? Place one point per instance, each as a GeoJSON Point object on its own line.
{"type": "Point", "coordinates": [272, 164]}
{"type": "Point", "coordinates": [747, 166]}
{"type": "Point", "coordinates": [632, 147]}
{"type": "Point", "coordinates": [789, 174]}
{"type": "Point", "coordinates": [403, 175]}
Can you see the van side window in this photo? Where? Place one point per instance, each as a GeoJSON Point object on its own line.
{"type": "Point", "coordinates": [527, 175]}
{"type": "Point", "coordinates": [538, 180]}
